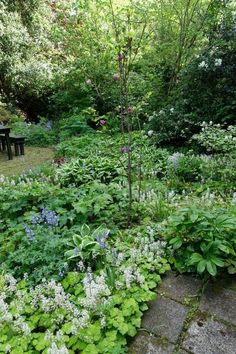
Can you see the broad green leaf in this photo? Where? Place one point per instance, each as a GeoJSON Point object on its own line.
{"type": "Point", "coordinates": [211, 268]}
{"type": "Point", "coordinates": [195, 258]}
{"type": "Point", "coordinates": [201, 266]}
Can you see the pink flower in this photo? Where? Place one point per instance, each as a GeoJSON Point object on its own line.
{"type": "Point", "coordinates": [120, 57]}
{"type": "Point", "coordinates": [116, 77]}
{"type": "Point", "coordinates": [102, 122]}
{"type": "Point", "coordinates": [124, 149]}
{"type": "Point", "coordinates": [89, 82]}
{"type": "Point", "coordinates": [130, 109]}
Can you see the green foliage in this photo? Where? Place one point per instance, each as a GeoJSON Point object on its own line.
{"type": "Point", "coordinates": [81, 147]}
{"type": "Point", "coordinates": [35, 134]}
{"type": "Point", "coordinates": [75, 124]}
{"type": "Point", "coordinates": [204, 92]}
{"type": "Point", "coordinates": [121, 307]}
{"type": "Point", "coordinates": [202, 241]}
{"type": "Point", "coordinates": [5, 115]}
{"type": "Point", "coordinates": [88, 245]}
{"type": "Point", "coordinates": [183, 169]}
{"type": "Point", "coordinates": [187, 168]}
{"type": "Point", "coordinates": [40, 257]}
{"type": "Point", "coordinates": [83, 171]}
{"type": "Point", "coordinates": [54, 226]}
{"type": "Point", "coordinates": [215, 139]}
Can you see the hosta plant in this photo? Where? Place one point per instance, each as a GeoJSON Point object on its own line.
{"type": "Point", "coordinates": [89, 244]}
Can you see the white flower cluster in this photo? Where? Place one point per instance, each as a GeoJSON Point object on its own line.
{"type": "Point", "coordinates": [96, 290]}
{"type": "Point", "coordinates": [203, 64]}
{"type": "Point", "coordinates": [56, 350]}
{"type": "Point", "coordinates": [131, 275]}
{"type": "Point", "coordinates": [174, 159]}
{"type": "Point", "coordinates": [50, 296]}
{"type": "Point", "coordinates": [218, 62]}
{"type": "Point", "coordinates": [146, 196]}
{"type": "Point", "coordinates": [15, 320]}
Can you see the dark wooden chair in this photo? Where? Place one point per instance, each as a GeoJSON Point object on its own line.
{"type": "Point", "coordinates": [19, 144]}
{"type": "Point", "coordinates": [2, 142]}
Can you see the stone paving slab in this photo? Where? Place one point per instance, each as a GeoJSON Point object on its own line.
{"type": "Point", "coordinates": [165, 318]}
{"type": "Point", "coordinates": [221, 304]}
{"type": "Point", "coordinates": [145, 343]}
{"type": "Point", "coordinates": [210, 337]}
{"type": "Point", "coordinates": [179, 287]}
{"type": "Point", "coordinates": [227, 282]}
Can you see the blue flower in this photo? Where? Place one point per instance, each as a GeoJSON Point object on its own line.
{"type": "Point", "coordinates": [30, 233]}
{"type": "Point", "coordinates": [49, 125]}
{"type": "Point", "coordinates": [101, 241]}
{"type": "Point", "coordinates": [106, 234]}
{"type": "Point", "coordinates": [49, 217]}
{"type": "Point", "coordinates": [61, 273]}
{"type": "Point", "coordinates": [76, 251]}
{"type": "Point", "coordinates": [35, 219]}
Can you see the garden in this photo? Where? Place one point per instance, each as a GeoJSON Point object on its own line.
{"type": "Point", "coordinates": [128, 112]}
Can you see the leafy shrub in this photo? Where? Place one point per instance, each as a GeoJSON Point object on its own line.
{"type": "Point", "coordinates": [216, 170]}
{"type": "Point", "coordinates": [79, 172]}
{"type": "Point", "coordinates": [39, 253]}
{"type": "Point", "coordinates": [202, 241]}
{"type": "Point", "coordinates": [172, 124]}
{"type": "Point", "coordinates": [5, 115]}
{"type": "Point", "coordinates": [82, 146]}
{"type": "Point", "coordinates": [187, 168]}
{"type": "Point", "coordinates": [215, 139]}
{"type": "Point", "coordinates": [36, 134]}
{"type": "Point", "coordinates": [205, 92]}
{"type": "Point", "coordinates": [74, 124]}
{"type": "Point", "coordinates": [220, 168]}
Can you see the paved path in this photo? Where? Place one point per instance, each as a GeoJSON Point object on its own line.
{"type": "Point", "coordinates": [187, 319]}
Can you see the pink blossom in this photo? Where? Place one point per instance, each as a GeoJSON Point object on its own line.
{"type": "Point", "coordinates": [120, 57]}
{"type": "Point", "coordinates": [130, 109]}
{"type": "Point", "coordinates": [116, 77]}
{"type": "Point", "coordinates": [102, 122]}
{"type": "Point", "coordinates": [124, 149]}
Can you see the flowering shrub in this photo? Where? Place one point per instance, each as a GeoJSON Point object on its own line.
{"type": "Point", "coordinates": [215, 139]}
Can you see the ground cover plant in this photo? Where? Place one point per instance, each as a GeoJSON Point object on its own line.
{"type": "Point", "coordinates": [128, 111]}
{"type": "Point", "coordinates": [74, 277]}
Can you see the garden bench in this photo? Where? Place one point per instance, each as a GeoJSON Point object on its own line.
{"type": "Point", "coordinates": [19, 144]}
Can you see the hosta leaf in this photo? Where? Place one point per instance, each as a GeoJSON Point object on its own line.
{"type": "Point", "coordinates": [217, 261]}
{"type": "Point", "coordinates": [176, 243]}
{"type": "Point", "coordinates": [201, 266]}
{"type": "Point", "coordinates": [85, 230]}
{"type": "Point", "coordinates": [195, 258]}
{"type": "Point", "coordinates": [223, 248]}
{"type": "Point", "coordinates": [77, 240]}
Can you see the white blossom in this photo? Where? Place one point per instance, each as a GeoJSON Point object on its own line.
{"type": "Point", "coordinates": [203, 64]}
{"type": "Point", "coordinates": [218, 62]}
